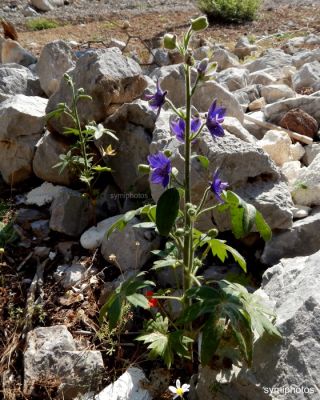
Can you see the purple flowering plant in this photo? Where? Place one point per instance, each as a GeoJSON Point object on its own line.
{"type": "Point", "coordinates": [211, 313]}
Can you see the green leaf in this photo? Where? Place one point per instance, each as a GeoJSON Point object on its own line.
{"type": "Point", "coordinates": [168, 262]}
{"type": "Point", "coordinates": [99, 130]}
{"type": "Point", "coordinates": [71, 131]}
{"type": "Point", "coordinates": [244, 336]}
{"type": "Point", "coordinates": [99, 168]}
{"type": "Point", "coordinates": [167, 211]}
{"type": "Point", "coordinates": [112, 308]}
{"type": "Point", "coordinates": [122, 222]}
{"type": "Point", "coordinates": [180, 344]}
{"type": "Point", "coordinates": [86, 179]}
{"type": "Point", "coordinates": [145, 225]}
{"type": "Point", "coordinates": [249, 216]}
{"type": "Point", "coordinates": [220, 249]}
{"type": "Point", "coordinates": [211, 337]}
{"type": "Point", "coordinates": [244, 216]}
{"type": "Point", "coordinates": [138, 300]}
{"type": "Point", "coordinates": [204, 161]}
{"type": "Point", "coordinates": [163, 343]}
{"type": "Point", "coordinates": [262, 227]}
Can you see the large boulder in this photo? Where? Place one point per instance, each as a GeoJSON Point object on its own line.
{"type": "Point", "coordinates": [51, 355]}
{"type": "Point", "coordinates": [71, 212]}
{"type": "Point", "coordinates": [286, 369]}
{"type": "Point", "coordinates": [172, 79]}
{"type": "Point", "coordinates": [55, 59]}
{"type": "Point", "coordinates": [110, 78]}
{"type": "Point", "coordinates": [22, 120]}
{"type": "Point", "coordinates": [47, 5]}
{"type": "Point", "coordinates": [245, 166]}
{"type": "Point", "coordinates": [225, 59]}
{"type": "Point", "coordinates": [308, 76]}
{"type": "Point", "coordinates": [92, 238]}
{"type": "Point", "coordinates": [301, 240]}
{"type": "Point", "coordinates": [135, 251]}
{"type": "Point", "coordinates": [133, 125]}
{"type": "Point", "coordinates": [305, 56]}
{"type": "Point", "coordinates": [293, 286]}
{"type": "Point", "coordinates": [307, 186]}
{"type": "Point", "coordinates": [262, 77]}
{"type": "Point", "coordinates": [272, 58]}
{"type": "Point", "coordinates": [233, 78]}
{"type": "Point", "coordinates": [46, 157]}
{"type": "Point", "coordinates": [310, 104]}
{"type": "Point", "coordinates": [273, 93]}
{"type": "Point", "coordinates": [17, 79]}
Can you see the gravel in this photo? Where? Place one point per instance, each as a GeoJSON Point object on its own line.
{"type": "Point", "coordinates": [79, 11]}
{"type": "Point", "coordinates": [88, 10]}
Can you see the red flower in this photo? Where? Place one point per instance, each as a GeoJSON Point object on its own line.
{"type": "Point", "coordinates": [152, 302]}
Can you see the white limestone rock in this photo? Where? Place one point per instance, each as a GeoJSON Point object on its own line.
{"type": "Point", "coordinates": [277, 145]}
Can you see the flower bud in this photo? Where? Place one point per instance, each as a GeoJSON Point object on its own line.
{"type": "Point", "coordinates": [199, 24]}
{"type": "Point", "coordinates": [143, 168]}
{"type": "Point", "coordinates": [188, 58]}
{"type": "Point", "coordinates": [167, 153]}
{"type": "Point", "coordinates": [202, 66]}
{"type": "Point", "coordinates": [169, 41]}
{"type": "Point", "coordinates": [174, 171]}
{"type": "Point", "coordinates": [179, 232]}
{"type": "Point", "coordinates": [192, 212]}
{"type": "Point", "coordinates": [213, 233]}
{"type": "Point", "coordinates": [197, 262]}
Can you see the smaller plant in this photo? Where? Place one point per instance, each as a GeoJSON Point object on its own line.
{"type": "Point", "coordinates": [40, 24]}
{"type": "Point", "coordinates": [7, 233]}
{"type": "Point", "coordinates": [111, 337]}
{"type": "Point", "coordinates": [81, 158]}
{"type": "Point", "coordinates": [230, 10]}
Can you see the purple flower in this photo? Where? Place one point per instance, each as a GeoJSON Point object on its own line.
{"type": "Point", "coordinates": [178, 127]}
{"type": "Point", "coordinates": [217, 186]}
{"type": "Point", "coordinates": [202, 66]}
{"type": "Point", "coordinates": [157, 100]}
{"type": "Point", "coordinates": [161, 166]}
{"type": "Point", "coordinates": [215, 118]}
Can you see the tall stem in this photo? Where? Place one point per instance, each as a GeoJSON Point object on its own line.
{"type": "Point", "coordinates": [82, 139]}
{"type": "Point", "coordinates": [187, 251]}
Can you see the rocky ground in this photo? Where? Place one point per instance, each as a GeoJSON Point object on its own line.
{"type": "Point", "coordinates": [56, 266]}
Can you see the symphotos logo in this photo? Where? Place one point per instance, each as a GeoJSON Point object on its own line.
{"type": "Point", "coordinates": [289, 390]}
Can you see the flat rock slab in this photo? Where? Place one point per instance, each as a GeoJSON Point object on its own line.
{"type": "Point", "coordinates": [128, 387]}
{"type": "Point", "coordinates": [51, 353]}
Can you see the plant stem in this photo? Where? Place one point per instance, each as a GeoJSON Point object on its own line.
{"type": "Point", "coordinates": [188, 248]}
{"type": "Point", "coordinates": [203, 200]}
{"type": "Point", "coordinates": [207, 210]}
{"type": "Point", "coordinates": [82, 140]}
